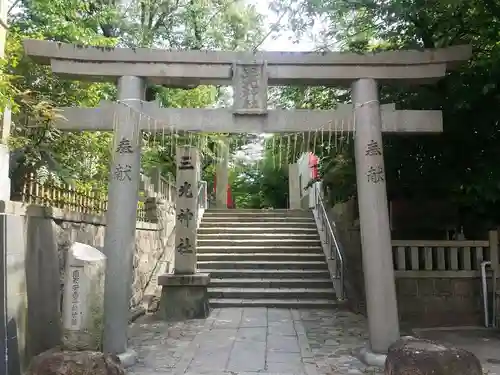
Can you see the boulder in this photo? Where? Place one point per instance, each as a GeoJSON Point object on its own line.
{"type": "Point", "coordinates": [55, 362]}
{"type": "Point", "coordinates": [412, 356]}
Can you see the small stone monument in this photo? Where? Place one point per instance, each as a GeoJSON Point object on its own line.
{"type": "Point", "coordinates": [413, 356]}
{"type": "Point", "coordinates": [83, 298]}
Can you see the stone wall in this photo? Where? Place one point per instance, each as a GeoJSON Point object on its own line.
{"type": "Point", "coordinates": [153, 250]}
{"type": "Point", "coordinates": [439, 302]}
{"type": "Point", "coordinates": [429, 301]}
{"type": "Point", "coordinates": [37, 239]}
{"type": "Point", "coordinates": [347, 228]}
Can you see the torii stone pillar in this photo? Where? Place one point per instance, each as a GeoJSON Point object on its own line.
{"type": "Point", "coordinates": [184, 294]}
{"type": "Point", "coordinates": [378, 270]}
{"type": "Point", "coordinates": [119, 240]}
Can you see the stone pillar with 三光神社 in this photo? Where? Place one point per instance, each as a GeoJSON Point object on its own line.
{"type": "Point", "coordinates": [184, 293]}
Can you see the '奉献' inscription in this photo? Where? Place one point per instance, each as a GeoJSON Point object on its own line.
{"type": "Point", "coordinates": [122, 172]}
{"type": "Point", "coordinates": [375, 175]}
{"type": "Point", "coordinates": [124, 147]}
{"type": "Point", "coordinates": [373, 149]}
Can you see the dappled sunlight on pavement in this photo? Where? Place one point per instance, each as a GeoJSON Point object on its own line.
{"type": "Point", "coordinates": [250, 341]}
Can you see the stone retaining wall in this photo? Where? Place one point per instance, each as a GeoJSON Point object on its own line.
{"type": "Point", "coordinates": [36, 241]}
{"type": "Point", "coordinates": [439, 302]}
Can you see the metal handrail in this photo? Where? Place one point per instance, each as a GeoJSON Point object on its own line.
{"type": "Point", "coordinates": [336, 252]}
{"type": "Point", "coordinates": [201, 201]}
{"type": "Point", "coordinates": [200, 191]}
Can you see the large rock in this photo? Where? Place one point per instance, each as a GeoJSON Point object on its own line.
{"type": "Point", "coordinates": [412, 356]}
{"type": "Point", "coordinates": [75, 363]}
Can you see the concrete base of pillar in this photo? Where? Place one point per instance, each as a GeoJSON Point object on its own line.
{"type": "Point", "coordinates": [128, 358]}
{"type": "Point", "coordinates": [184, 297]}
{"type": "Point", "coordinates": [372, 359]}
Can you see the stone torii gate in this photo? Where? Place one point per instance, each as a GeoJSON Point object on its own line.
{"type": "Point", "coordinates": [249, 74]}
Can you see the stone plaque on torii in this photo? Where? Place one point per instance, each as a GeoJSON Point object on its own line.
{"type": "Point", "coordinates": [250, 73]}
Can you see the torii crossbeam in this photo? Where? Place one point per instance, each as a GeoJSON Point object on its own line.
{"type": "Point", "coordinates": [225, 121]}
{"type": "Point", "coordinates": [183, 68]}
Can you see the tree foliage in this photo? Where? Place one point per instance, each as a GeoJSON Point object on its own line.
{"type": "Point", "coordinates": [261, 185]}
{"type": "Point", "coordinates": [460, 165]}
{"type": "Point", "coordinates": [35, 93]}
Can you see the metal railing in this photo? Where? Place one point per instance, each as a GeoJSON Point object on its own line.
{"type": "Point", "coordinates": [202, 201]}
{"type": "Point", "coordinates": [336, 252]}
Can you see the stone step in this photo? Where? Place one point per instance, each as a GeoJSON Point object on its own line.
{"type": "Point", "coordinates": [224, 230]}
{"type": "Point", "coordinates": [272, 293]}
{"type": "Point", "coordinates": [287, 213]}
{"type": "Point", "coordinates": [285, 225]}
{"type": "Point", "coordinates": [270, 283]}
{"type": "Point", "coordinates": [272, 216]}
{"type": "Point", "coordinates": [251, 218]}
{"type": "Point", "coordinates": [281, 303]}
{"type": "Point", "coordinates": [258, 265]}
{"type": "Point", "coordinates": [215, 209]}
{"type": "Point", "coordinates": [258, 242]}
{"type": "Point", "coordinates": [268, 273]}
{"type": "Point", "coordinates": [260, 249]}
{"type": "Point", "coordinates": [259, 236]}
{"type": "Point", "coordinates": [236, 257]}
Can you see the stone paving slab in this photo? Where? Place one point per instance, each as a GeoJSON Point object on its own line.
{"type": "Point", "coordinates": [232, 340]}
{"type": "Point", "coordinates": [251, 341]}
{"type": "Point", "coordinates": [335, 337]}
{"type": "Point", "coordinates": [160, 345]}
{"type": "Point", "coordinates": [255, 341]}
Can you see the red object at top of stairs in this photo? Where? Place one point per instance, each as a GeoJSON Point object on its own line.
{"type": "Point", "coordinates": [229, 199]}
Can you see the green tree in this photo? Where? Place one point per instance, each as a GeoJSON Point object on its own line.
{"type": "Point", "coordinates": [460, 165]}
{"type": "Point", "coordinates": [261, 183]}
{"type": "Point", "coordinates": [189, 25]}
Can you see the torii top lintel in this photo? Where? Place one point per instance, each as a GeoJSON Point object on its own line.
{"type": "Point", "coordinates": [183, 68]}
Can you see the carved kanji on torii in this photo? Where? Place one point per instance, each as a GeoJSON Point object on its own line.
{"type": "Point", "coordinates": [250, 74]}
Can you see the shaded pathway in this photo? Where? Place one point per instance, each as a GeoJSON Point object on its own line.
{"type": "Point", "coordinates": [335, 337]}
{"type": "Point", "coordinates": [251, 340]}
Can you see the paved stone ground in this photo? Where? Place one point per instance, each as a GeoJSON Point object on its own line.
{"type": "Point", "coordinates": [251, 340]}
{"type": "Point", "coordinates": [259, 341]}
{"type": "Point", "coordinates": [335, 337]}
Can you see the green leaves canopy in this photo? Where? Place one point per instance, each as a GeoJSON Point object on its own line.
{"type": "Point", "coordinates": [83, 157]}
{"type": "Point", "coordinates": [461, 165]}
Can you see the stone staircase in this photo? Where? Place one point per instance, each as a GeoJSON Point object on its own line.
{"type": "Point", "coordinates": [269, 258]}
